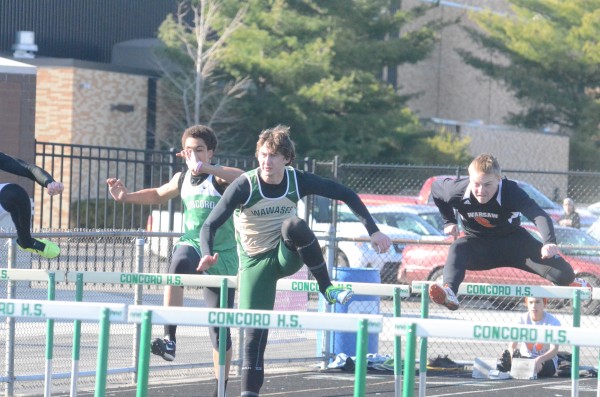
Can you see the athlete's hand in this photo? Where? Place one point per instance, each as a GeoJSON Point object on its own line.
{"type": "Point", "coordinates": [380, 242]}
{"type": "Point", "coordinates": [451, 230]}
{"type": "Point", "coordinates": [55, 188]}
{"type": "Point", "coordinates": [550, 250]}
{"type": "Point", "coordinates": [538, 364]}
{"type": "Point", "coordinates": [194, 165]}
{"type": "Point", "coordinates": [117, 189]}
{"type": "Point", "coordinates": [207, 261]}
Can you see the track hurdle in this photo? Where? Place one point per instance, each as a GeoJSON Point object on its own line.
{"type": "Point", "coordinates": [304, 286]}
{"type": "Point", "coordinates": [148, 315]}
{"type": "Point", "coordinates": [457, 329]}
{"type": "Point", "coordinates": [53, 310]}
{"type": "Point", "coordinates": [508, 290]}
{"type": "Point", "coordinates": [51, 277]}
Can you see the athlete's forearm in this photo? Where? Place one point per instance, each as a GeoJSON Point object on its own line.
{"type": "Point", "coordinates": [21, 168]}
{"type": "Point", "coordinates": [227, 174]}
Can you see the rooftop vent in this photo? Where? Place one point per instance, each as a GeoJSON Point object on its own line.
{"type": "Point", "coordinates": [25, 45]}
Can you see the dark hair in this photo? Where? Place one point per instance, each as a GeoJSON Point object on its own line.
{"type": "Point", "coordinates": [277, 140]}
{"type": "Point", "coordinates": [203, 132]}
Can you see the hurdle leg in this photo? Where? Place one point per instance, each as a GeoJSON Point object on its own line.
{"type": "Point", "coordinates": [423, 347]}
{"type": "Point", "coordinates": [76, 337]}
{"type": "Point", "coordinates": [360, 373]}
{"type": "Point", "coordinates": [49, 338]}
{"type": "Point", "coordinates": [102, 362]}
{"type": "Point", "coordinates": [575, 355]}
{"type": "Point", "coordinates": [144, 357]}
{"type": "Point", "coordinates": [397, 349]}
{"type": "Point", "coordinates": [408, 388]}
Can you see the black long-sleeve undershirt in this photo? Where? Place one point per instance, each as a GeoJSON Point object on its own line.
{"type": "Point", "coordinates": [239, 192]}
{"type": "Point", "coordinates": [499, 216]}
{"type": "Point", "coordinates": [21, 168]}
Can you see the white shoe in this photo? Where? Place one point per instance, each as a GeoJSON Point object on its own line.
{"type": "Point", "coordinates": [580, 282]}
{"type": "Point", "coordinates": [443, 296]}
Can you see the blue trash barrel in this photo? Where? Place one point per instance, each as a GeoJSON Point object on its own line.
{"type": "Point", "coordinates": [345, 342]}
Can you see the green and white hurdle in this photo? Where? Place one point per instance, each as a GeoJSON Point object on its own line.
{"type": "Point", "coordinates": [457, 329]}
{"type": "Point", "coordinates": [80, 278]}
{"type": "Point", "coordinates": [105, 313]}
{"type": "Point", "coordinates": [303, 286]}
{"type": "Point", "coordinates": [504, 290]}
{"type": "Point", "coordinates": [362, 324]}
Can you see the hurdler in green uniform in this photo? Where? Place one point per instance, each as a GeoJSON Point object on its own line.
{"type": "Point", "coordinates": [198, 200]}
{"type": "Point", "coordinates": [273, 242]}
{"type": "Point", "coordinates": [263, 260]}
{"type": "Point", "coordinates": [200, 187]}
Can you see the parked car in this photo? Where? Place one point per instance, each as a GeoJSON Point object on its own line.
{"type": "Point", "coordinates": [357, 254]}
{"type": "Point", "coordinates": [594, 230]}
{"type": "Point", "coordinates": [594, 208]}
{"type": "Point", "coordinates": [350, 252]}
{"type": "Point", "coordinates": [426, 262]}
{"type": "Point", "coordinates": [425, 220]}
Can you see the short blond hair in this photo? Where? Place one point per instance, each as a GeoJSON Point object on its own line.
{"type": "Point", "coordinates": [487, 164]}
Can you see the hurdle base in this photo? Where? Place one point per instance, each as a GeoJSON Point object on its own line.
{"type": "Point", "coordinates": [485, 368]}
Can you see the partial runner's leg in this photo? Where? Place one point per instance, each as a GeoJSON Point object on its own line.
{"type": "Point", "coordinates": [253, 371]}
{"type": "Point", "coordinates": [14, 199]}
{"type": "Point", "coordinates": [526, 254]}
{"type": "Point", "coordinates": [298, 237]}
{"type": "Point", "coordinates": [184, 261]}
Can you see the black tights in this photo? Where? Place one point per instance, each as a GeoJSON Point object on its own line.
{"type": "Point", "coordinates": [253, 371]}
{"type": "Point", "coordinates": [518, 249]}
{"type": "Point", "coordinates": [298, 237]}
{"type": "Point", "coordinates": [15, 200]}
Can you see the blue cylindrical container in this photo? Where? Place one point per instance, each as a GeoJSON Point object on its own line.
{"type": "Point", "coordinates": [345, 342]}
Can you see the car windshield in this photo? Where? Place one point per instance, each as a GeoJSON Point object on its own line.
{"type": "Point", "coordinates": [401, 220]}
{"type": "Point", "coordinates": [538, 196]}
{"type": "Point", "coordinates": [406, 221]}
{"type": "Point", "coordinates": [574, 241]}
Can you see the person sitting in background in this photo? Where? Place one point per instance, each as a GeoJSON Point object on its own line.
{"type": "Point", "coordinates": [545, 355]}
{"type": "Point", "coordinates": [570, 217]}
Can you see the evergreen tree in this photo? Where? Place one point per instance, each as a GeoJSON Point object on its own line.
{"type": "Point", "coordinates": [316, 65]}
{"type": "Point", "coordinates": [546, 52]}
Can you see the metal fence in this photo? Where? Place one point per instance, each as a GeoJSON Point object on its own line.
{"type": "Point", "coordinates": [97, 234]}
{"type": "Point", "coordinates": [126, 251]}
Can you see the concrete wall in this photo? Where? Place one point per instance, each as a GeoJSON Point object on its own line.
{"type": "Point", "coordinates": [447, 87]}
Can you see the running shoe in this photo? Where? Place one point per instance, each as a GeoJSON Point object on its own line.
{"type": "Point", "coordinates": [580, 282]}
{"type": "Point", "coordinates": [164, 348]}
{"type": "Point", "coordinates": [443, 296]}
{"type": "Point", "coordinates": [505, 362]}
{"type": "Point", "coordinates": [44, 248]}
{"type": "Point", "coordinates": [338, 294]}
{"type": "Point", "coordinates": [442, 363]}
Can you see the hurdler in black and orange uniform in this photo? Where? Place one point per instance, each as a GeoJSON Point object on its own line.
{"type": "Point", "coordinates": [489, 207]}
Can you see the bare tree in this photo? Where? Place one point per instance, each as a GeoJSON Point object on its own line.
{"type": "Point", "coordinates": [196, 89]}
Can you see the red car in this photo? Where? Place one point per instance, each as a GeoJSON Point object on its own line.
{"type": "Point", "coordinates": [426, 262]}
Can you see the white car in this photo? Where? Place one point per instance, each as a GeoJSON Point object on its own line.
{"type": "Point", "coordinates": [352, 253]}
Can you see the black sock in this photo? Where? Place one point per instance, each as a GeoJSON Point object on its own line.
{"type": "Point", "coordinates": [313, 257]}
{"type": "Point", "coordinates": [216, 390]}
{"type": "Point", "coordinates": [170, 331]}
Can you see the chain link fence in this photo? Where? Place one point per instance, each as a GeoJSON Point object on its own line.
{"type": "Point", "coordinates": [97, 234]}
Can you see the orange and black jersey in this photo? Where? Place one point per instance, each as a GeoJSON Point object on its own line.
{"type": "Point", "coordinates": [498, 217]}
